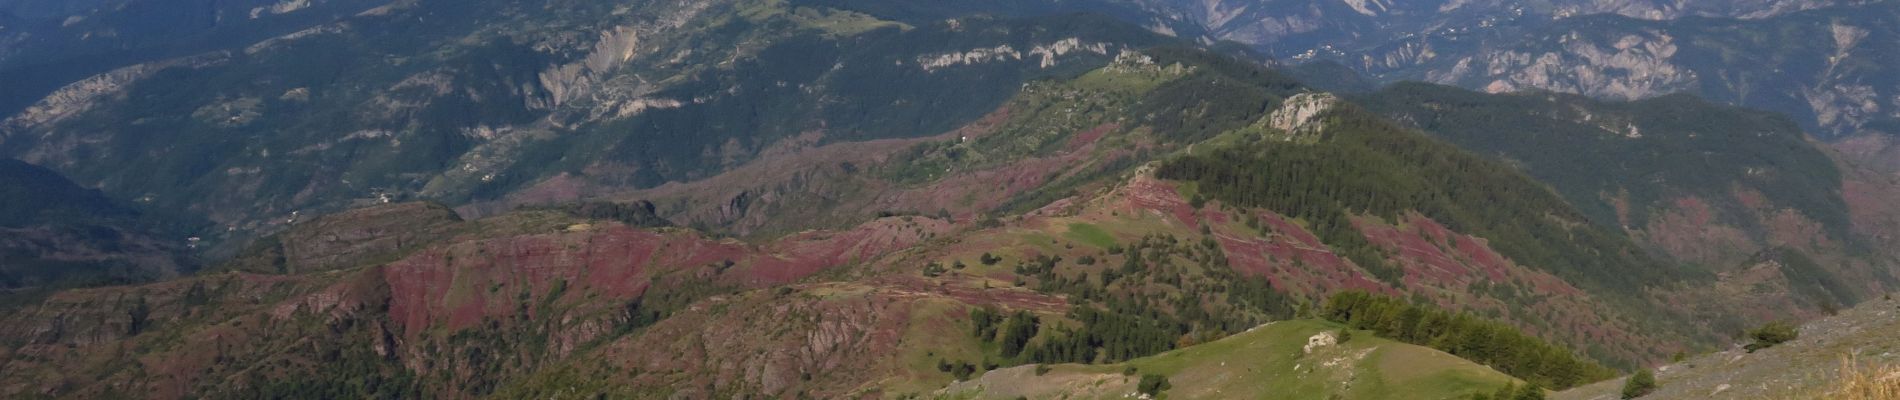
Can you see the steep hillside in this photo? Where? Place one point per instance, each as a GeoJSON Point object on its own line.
{"type": "Point", "coordinates": [459, 101]}
{"type": "Point", "coordinates": [1105, 263]}
{"type": "Point", "coordinates": [1375, 176]}
{"type": "Point", "coordinates": [1726, 188]}
{"type": "Point", "coordinates": [1038, 164]}
{"type": "Point", "coordinates": [1054, 138]}
{"type": "Point", "coordinates": [56, 233]}
{"type": "Point", "coordinates": [36, 196]}
{"type": "Point", "coordinates": [1637, 154]}
{"type": "Point", "coordinates": [264, 109]}
{"type": "Point", "coordinates": [1021, 189]}
{"type": "Point", "coordinates": [538, 304]}
{"type": "Point", "coordinates": [1806, 368]}
{"type": "Point", "coordinates": [1871, 167]}
{"type": "Point", "coordinates": [911, 198]}
{"type": "Point", "coordinates": [454, 318]}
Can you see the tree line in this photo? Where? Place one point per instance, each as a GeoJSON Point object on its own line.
{"type": "Point", "coordinates": [1479, 340]}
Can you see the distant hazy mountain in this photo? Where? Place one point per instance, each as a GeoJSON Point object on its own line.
{"type": "Point", "coordinates": [53, 232]}
{"type": "Point", "coordinates": [46, 44]}
{"type": "Point", "coordinates": [1308, 28]}
{"type": "Point", "coordinates": [463, 101]}
{"type": "Point", "coordinates": [313, 106]}
{"type": "Point", "coordinates": [1821, 62]}
{"type": "Point", "coordinates": [923, 198]}
{"type": "Point", "coordinates": [1826, 68]}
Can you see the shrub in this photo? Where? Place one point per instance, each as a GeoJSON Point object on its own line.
{"type": "Point", "coordinates": [1639, 385]}
{"type": "Point", "coordinates": [933, 270]}
{"type": "Point", "coordinates": [1153, 384]}
{"type": "Point", "coordinates": [1513, 392]}
{"type": "Point", "coordinates": [1772, 334]}
{"type": "Point", "coordinates": [963, 370]}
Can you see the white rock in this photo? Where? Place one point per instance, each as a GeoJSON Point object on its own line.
{"type": "Point", "coordinates": [1320, 340]}
{"type": "Point", "coordinates": [1299, 113]}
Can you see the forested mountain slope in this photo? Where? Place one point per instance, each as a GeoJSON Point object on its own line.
{"type": "Point", "coordinates": [841, 198]}
{"type": "Point", "coordinates": [1073, 263]}
{"type": "Point", "coordinates": [55, 233]}
{"type": "Point", "coordinates": [460, 101]}
{"type": "Point", "coordinates": [1736, 191]}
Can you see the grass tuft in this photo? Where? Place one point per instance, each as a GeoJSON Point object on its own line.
{"type": "Point", "coordinates": [1859, 381]}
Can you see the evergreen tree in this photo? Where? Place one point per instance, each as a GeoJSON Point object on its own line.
{"type": "Point", "coordinates": [1152, 384]}
{"type": "Point", "coordinates": [1640, 384]}
{"type": "Point", "coordinates": [1772, 334]}
{"type": "Point", "coordinates": [1022, 327]}
{"type": "Point", "coordinates": [1478, 340]}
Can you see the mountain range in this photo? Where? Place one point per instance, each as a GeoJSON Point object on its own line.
{"type": "Point", "coordinates": [975, 199]}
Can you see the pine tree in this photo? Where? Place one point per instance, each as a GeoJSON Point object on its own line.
{"type": "Point", "coordinates": [1640, 384]}
{"type": "Point", "coordinates": [1152, 384]}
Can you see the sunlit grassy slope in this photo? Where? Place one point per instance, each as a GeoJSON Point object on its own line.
{"type": "Point", "coordinates": [1269, 362]}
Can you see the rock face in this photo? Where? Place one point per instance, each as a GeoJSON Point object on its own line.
{"type": "Point", "coordinates": [1044, 54]}
{"type": "Point", "coordinates": [1319, 341]}
{"type": "Point", "coordinates": [1296, 117]}
{"type": "Point", "coordinates": [587, 88]}
{"type": "Point", "coordinates": [1635, 66]}
{"type": "Point", "coordinates": [75, 97]}
{"type": "Point", "coordinates": [1817, 66]}
{"type": "Point", "coordinates": [1815, 60]}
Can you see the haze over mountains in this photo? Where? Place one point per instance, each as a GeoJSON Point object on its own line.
{"type": "Point", "coordinates": [918, 198]}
